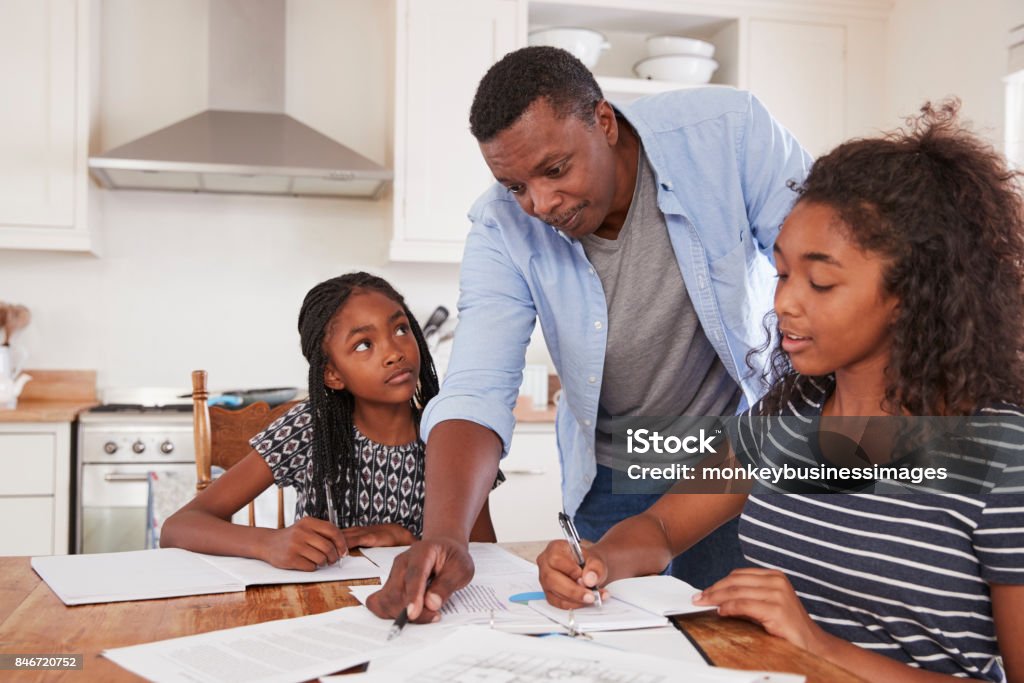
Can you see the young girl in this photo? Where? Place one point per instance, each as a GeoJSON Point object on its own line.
{"type": "Point", "coordinates": [900, 293]}
{"type": "Point", "coordinates": [351, 450]}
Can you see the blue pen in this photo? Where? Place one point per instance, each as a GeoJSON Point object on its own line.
{"type": "Point", "coordinates": [573, 538]}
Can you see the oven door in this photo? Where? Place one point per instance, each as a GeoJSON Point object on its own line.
{"type": "Point", "coordinates": [114, 505]}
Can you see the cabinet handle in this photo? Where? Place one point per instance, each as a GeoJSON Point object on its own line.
{"type": "Point", "coordinates": [117, 476]}
{"type": "Point", "coordinates": [524, 470]}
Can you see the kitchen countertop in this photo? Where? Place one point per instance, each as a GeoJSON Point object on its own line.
{"type": "Point", "coordinates": [53, 396]}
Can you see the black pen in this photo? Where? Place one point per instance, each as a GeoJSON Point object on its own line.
{"type": "Point", "coordinates": [573, 537]}
{"type": "Point", "coordinates": [403, 617]}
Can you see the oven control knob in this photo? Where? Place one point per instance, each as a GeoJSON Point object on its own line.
{"type": "Point", "coordinates": [138, 447]}
{"type": "Point", "coordinates": [110, 448]}
{"type": "Point", "coordinates": [167, 447]}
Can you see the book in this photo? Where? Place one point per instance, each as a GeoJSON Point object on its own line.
{"type": "Point", "coordinates": [659, 594]}
{"type": "Point", "coordinates": [173, 572]}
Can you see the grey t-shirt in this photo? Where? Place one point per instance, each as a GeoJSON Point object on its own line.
{"type": "Point", "coordinates": [658, 361]}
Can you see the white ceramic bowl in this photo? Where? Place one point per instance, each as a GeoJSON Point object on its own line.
{"type": "Point", "coordinates": [584, 44]}
{"type": "Point", "coordinates": [678, 45]}
{"type": "Point", "coordinates": [686, 69]}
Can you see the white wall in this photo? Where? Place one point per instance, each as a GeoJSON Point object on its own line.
{"type": "Point", "coordinates": [938, 48]}
{"type": "Point", "coordinates": [188, 281]}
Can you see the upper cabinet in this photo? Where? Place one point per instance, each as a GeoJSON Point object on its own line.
{"type": "Point", "coordinates": [444, 47]}
{"type": "Point", "coordinates": [815, 66]}
{"type": "Point", "coordinates": [44, 125]}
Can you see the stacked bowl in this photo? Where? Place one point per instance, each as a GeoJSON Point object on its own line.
{"type": "Point", "coordinates": [679, 59]}
{"type": "Point", "coordinates": [586, 45]}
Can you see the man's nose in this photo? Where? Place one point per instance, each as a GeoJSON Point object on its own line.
{"type": "Point", "coordinates": [545, 201]}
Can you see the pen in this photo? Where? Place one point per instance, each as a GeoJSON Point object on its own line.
{"type": "Point", "coordinates": [403, 617]}
{"type": "Point", "coordinates": [573, 538]}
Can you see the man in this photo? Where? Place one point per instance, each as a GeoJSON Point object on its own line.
{"type": "Point", "coordinates": [640, 237]}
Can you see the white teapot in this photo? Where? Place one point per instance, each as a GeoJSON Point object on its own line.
{"type": "Point", "coordinates": [12, 379]}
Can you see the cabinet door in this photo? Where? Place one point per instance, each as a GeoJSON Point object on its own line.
{"type": "Point", "coordinates": [43, 133]}
{"type": "Point", "coordinates": [444, 47]}
{"type": "Point", "coordinates": [799, 71]}
{"type": "Point", "coordinates": [526, 506]}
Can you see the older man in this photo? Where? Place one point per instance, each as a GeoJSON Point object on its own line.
{"type": "Point", "coordinates": [640, 236]}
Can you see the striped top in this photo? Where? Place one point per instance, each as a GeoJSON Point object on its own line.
{"type": "Point", "coordinates": [902, 575]}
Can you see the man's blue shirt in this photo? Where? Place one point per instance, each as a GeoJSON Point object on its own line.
{"type": "Point", "coordinates": [722, 165]}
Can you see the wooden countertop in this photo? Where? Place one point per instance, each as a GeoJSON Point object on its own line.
{"type": "Point", "coordinates": [53, 396]}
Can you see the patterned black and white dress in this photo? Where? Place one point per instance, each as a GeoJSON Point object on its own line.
{"type": "Point", "coordinates": [388, 489]}
{"type": "Point", "coordinates": [904, 575]}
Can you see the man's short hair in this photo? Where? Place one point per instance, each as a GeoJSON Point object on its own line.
{"type": "Point", "coordinates": [520, 78]}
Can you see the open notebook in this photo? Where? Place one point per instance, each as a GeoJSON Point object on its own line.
{"type": "Point", "coordinates": [172, 572]}
{"type": "Point", "coordinates": [641, 602]}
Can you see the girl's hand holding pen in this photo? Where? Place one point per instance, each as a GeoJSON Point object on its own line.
{"type": "Point", "coordinates": [567, 585]}
{"type": "Point", "coordinates": [305, 545]}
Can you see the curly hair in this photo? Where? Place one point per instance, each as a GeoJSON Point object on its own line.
{"type": "Point", "coordinates": [946, 213]}
{"type": "Point", "coordinates": [333, 444]}
{"type": "Point", "coordinates": [520, 78]}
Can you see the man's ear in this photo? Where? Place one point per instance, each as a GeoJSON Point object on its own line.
{"type": "Point", "coordinates": [605, 116]}
{"type": "Point", "coordinates": [332, 380]}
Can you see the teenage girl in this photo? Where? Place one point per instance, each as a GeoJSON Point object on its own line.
{"type": "Point", "coordinates": [351, 451]}
{"type": "Point", "coordinates": [900, 293]}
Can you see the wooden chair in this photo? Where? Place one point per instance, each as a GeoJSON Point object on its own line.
{"type": "Point", "coordinates": [222, 436]}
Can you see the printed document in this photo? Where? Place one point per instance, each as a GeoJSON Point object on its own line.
{"type": "Point", "coordinates": [481, 655]}
{"type": "Point", "coordinates": [282, 651]}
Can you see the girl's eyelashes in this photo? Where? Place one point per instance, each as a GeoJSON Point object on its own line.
{"type": "Point", "coordinates": [402, 330]}
{"type": "Point", "coordinates": [821, 288]}
{"type": "Point", "coordinates": [363, 345]}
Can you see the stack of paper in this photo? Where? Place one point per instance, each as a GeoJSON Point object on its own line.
{"type": "Point", "coordinates": [476, 654]}
{"type": "Point", "coordinates": [172, 572]}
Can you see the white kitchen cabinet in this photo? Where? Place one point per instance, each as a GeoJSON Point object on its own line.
{"type": "Point", "coordinates": [443, 49]}
{"type": "Point", "coordinates": [526, 506]}
{"type": "Point", "coordinates": [817, 66]}
{"type": "Point", "coordinates": [35, 491]}
{"type": "Point", "coordinates": [44, 124]}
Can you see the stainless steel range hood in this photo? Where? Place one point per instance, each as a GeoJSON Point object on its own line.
{"type": "Point", "coordinates": [244, 144]}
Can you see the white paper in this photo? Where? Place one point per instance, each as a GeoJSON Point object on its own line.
{"type": "Point", "coordinates": [172, 572]}
{"type": "Point", "coordinates": [661, 594]}
{"type": "Point", "coordinates": [614, 615]}
{"type": "Point", "coordinates": [282, 651]}
{"type": "Point", "coordinates": [666, 641]}
{"type": "Point", "coordinates": [257, 572]}
{"type": "Point", "coordinates": [134, 575]}
{"type": "Point", "coordinates": [485, 656]}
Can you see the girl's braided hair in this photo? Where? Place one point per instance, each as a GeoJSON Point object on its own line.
{"type": "Point", "coordinates": [945, 212]}
{"type": "Point", "coordinates": [333, 447]}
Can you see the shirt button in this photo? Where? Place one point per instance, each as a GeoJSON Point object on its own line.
{"type": "Point", "coordinates": [597, 325]}
{"type": "Point", "coordinates": [586, 422]}
{"type": "Point", "coordinates": [592, 379]}
{"type": "Point", "coordinates": [590, 270]}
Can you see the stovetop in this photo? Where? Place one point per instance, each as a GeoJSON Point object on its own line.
{"type": "Point", "coordinates": [140, 409]}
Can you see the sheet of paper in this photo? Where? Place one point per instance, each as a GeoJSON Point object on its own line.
{"type": "Point", "coordinates": [173, 572]}
{"type": "Point", "coordinates": [257, 572]}
{"type": "Point", "coordinates": [666, 641]}
{"type": "Point", "coordinates": [134, 575]}
{"type": "Point", "coordinates": [484, 656]}
{"type": "Point", "coordinates": [660, 594]}
{"type": "Point", "coordinates": [282, 651]}
{"type": "Point", "coordinates": [614, 615]}
{"type": "Point", "coordinates": [490, 560]}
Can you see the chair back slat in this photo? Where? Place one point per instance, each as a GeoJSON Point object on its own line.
{"type": "Point", "coordinates": [222, 436]}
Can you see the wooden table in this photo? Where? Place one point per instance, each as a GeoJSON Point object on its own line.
{"type": "Point", "coordinates": [34, 621]}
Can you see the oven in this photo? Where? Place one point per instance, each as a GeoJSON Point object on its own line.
{"type": "Point", "coordinates": [118, 447]}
